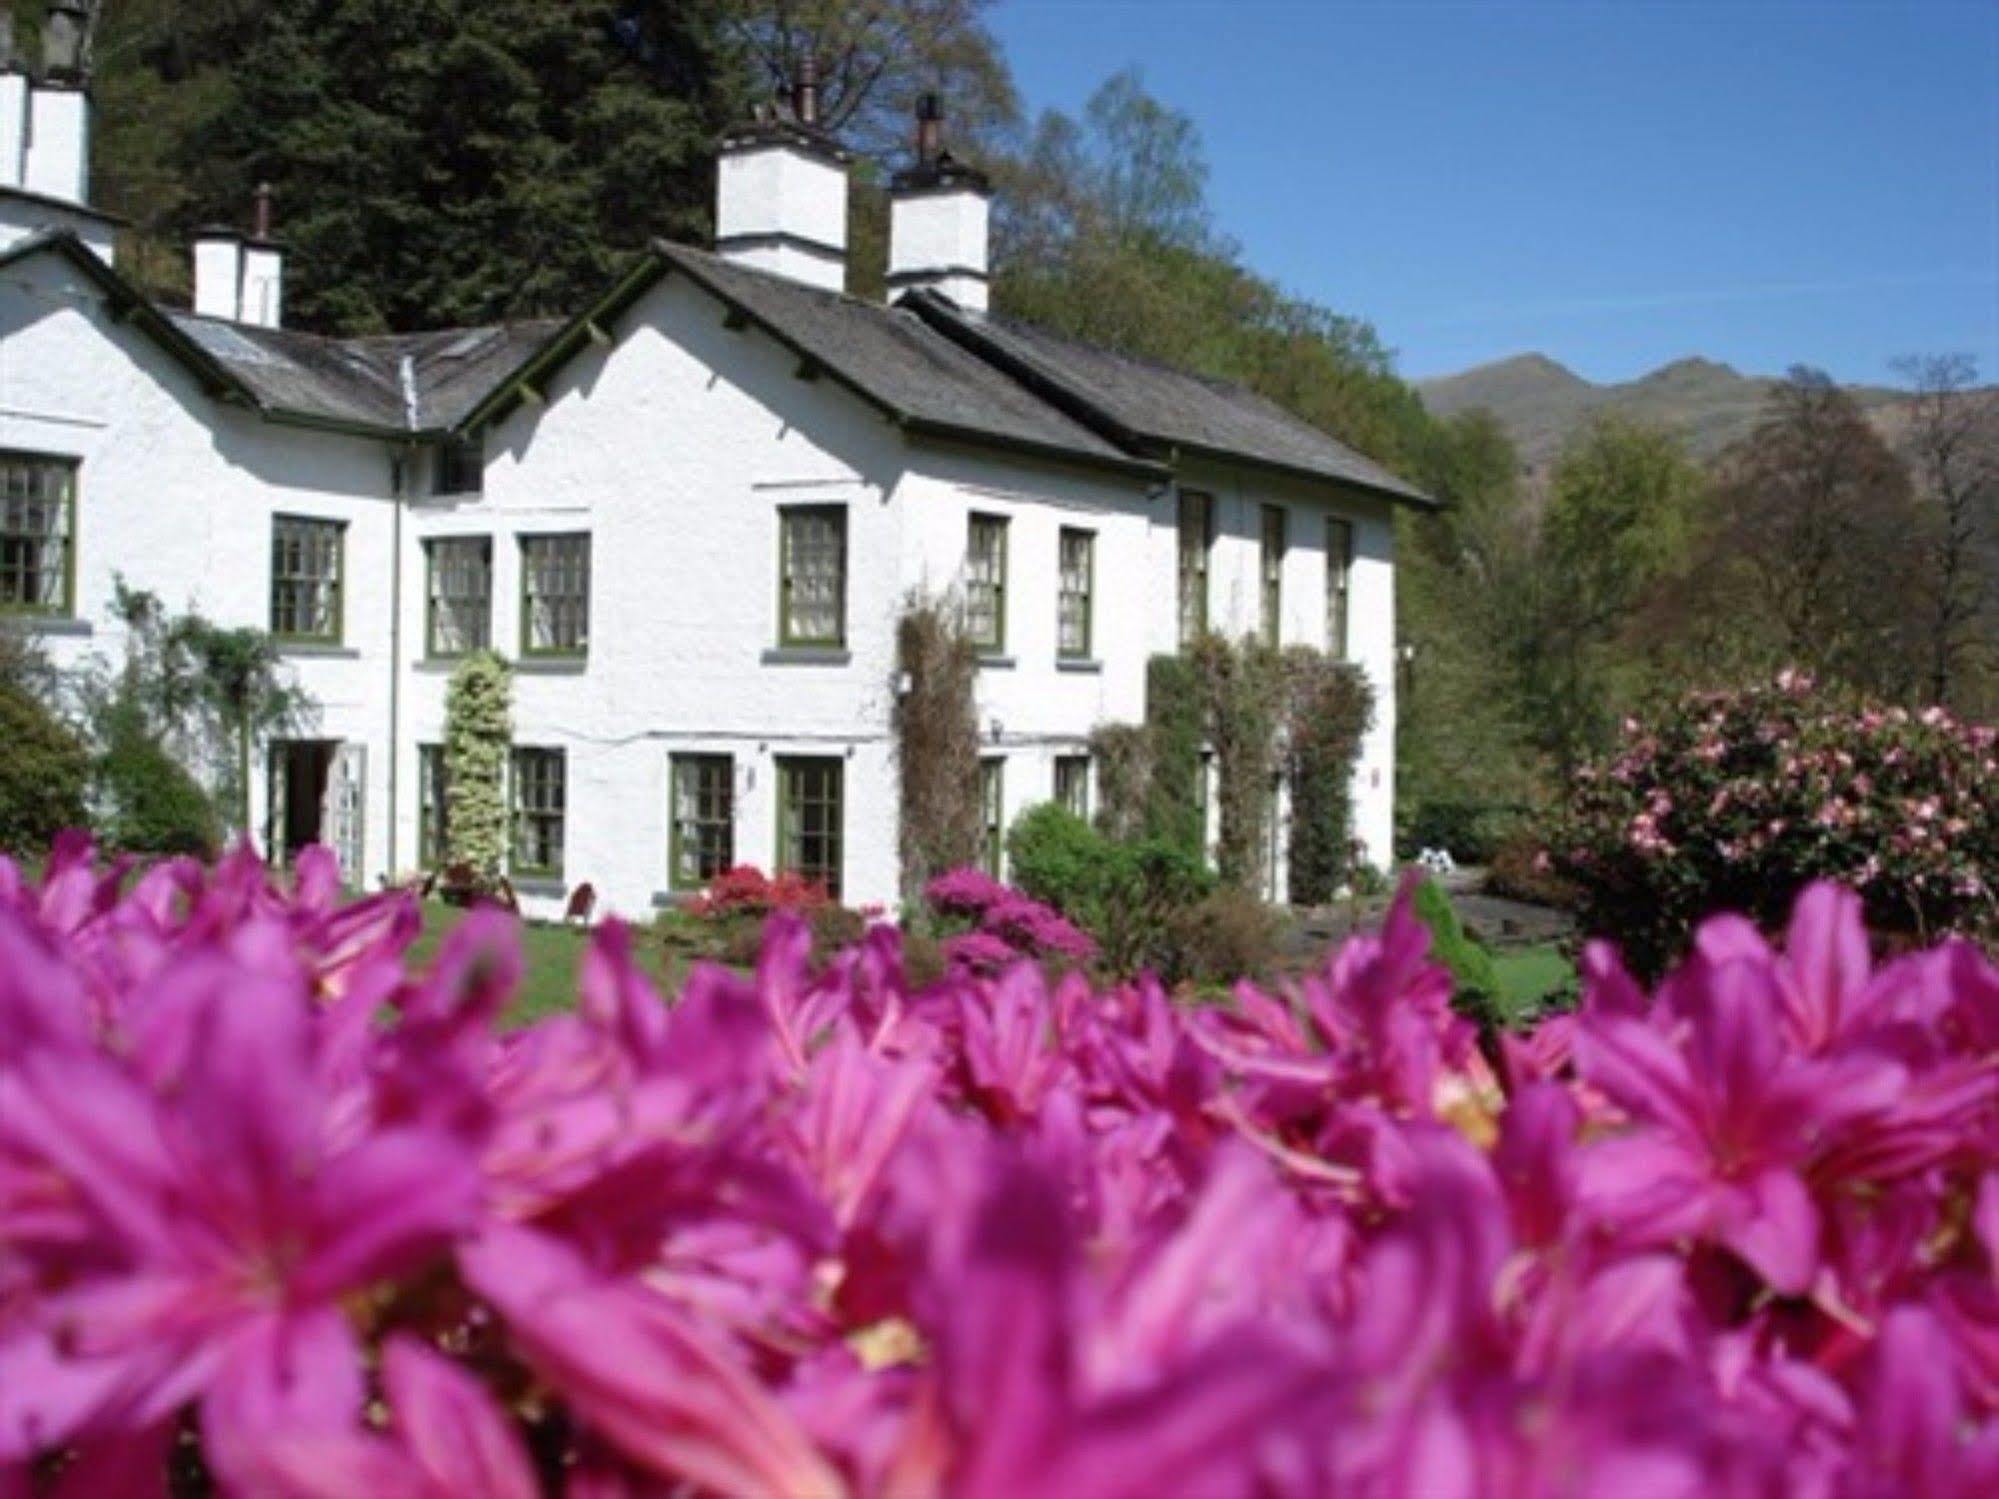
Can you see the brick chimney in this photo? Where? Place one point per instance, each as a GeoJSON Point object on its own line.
{"type": "Point", "coordinates": [781, 192]}
{"type": "Point", "coordinates": [939, 219]}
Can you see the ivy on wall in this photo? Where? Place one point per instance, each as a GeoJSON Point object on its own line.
{"type": "Point", "coordinates": [1328, 708]}
{"type": "Point", "coordinates": [936, 742]}
{"type": "Point", "coordinates": [478, 736]}
{"type": "Point", "coordinates": [1242, 691]}
{"type": "Point", "coordinates": [1176, 723]}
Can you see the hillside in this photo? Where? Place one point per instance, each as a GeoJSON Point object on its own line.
{"type": "Point", "coordinates": [1540, 401]}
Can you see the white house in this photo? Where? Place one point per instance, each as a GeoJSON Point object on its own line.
{"type": "Point", "coordinates": [690, 516]}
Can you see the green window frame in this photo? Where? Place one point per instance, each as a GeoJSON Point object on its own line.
{"type": "Point", "coordinates": [555, 594]}
{"type": "Point", "coordinates": [540, 810]}
{"type": "Point", "coordinates": [458, 594]}
{"type": "Point", "coordinates": [812, 575]}
{"type": "Point", "coordinates": [1072, 784]}
{"type": "Point", "coordinates": [701, 819]}
{"type": "Point", "coordinates": [432, 797]}
{"type": "Point", "coordinates": [1074, 607]}
{"type": "Point", "coordinates": [811, 816]}
{"type": "Point", "coordinates": [985, 582]}
{"type": "Point", "coordinates": [1339, 585]}
{"type": "Point", "coordinates": [1197, 539]}
{"type": "Point", "coordinates": [1275, 542]}
{"type": "Point", "coordinates": [37, 533]}
{"type": "Point", "coordinates": [992, 814]}
{"type": "Point", "coordinates": [308, 576]}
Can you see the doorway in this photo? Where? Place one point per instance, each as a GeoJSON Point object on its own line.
{"type": "Point", "coordinates": [316, 796]}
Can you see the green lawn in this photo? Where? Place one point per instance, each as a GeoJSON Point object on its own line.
{"type": "Point", "coordinates": [550, 955]}
{"type": "Point", "coordinates": [1528, 975]}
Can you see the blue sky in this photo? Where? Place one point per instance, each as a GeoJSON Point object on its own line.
{"type": "Point", "coordinates": [1612, 184]}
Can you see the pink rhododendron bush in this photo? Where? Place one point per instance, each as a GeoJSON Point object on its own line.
{"type": "Point", "coordinates": [280, 1214]}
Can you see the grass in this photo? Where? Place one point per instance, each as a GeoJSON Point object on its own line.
{"type": "Point", "coordinates": [550, 958]}
{"type": "Point", "coordinates": [1528, 975]}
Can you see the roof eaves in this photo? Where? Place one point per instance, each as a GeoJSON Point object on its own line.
{"type": "Point", "coordinates": [1397, 494]}
{"type": "Point", "coordinates": [81, 210]}
{"type": "Point", "coordinates": [1117, 463]}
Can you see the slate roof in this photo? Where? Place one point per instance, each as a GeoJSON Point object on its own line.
{"type": "Point", "coordinates": [63, 205]}
{"type": "Point", "coordinates": [893, 358]}
{"type": "Point", "coordinates": [1155, 408]}
{"type": "Point", "coordinates": [360, 380]}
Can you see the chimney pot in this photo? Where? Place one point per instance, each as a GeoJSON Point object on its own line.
{"type": "Point", "coordinates": [65, 40]}
{"type": "Point", "coordinates": [929, 129]}
{"type": "Point", "coordinates": [805, 92]}
{"type": "Point", "coordinates": [261, 219]}
{"type": "Point", "coordinates": [939, 219]}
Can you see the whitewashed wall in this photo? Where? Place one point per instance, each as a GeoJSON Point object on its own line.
{"type": "Point", "coordinates": [175, 493]}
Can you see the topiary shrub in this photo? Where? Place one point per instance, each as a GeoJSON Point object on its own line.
{"type": "Point", "coordinates": [44, 772]}
{"type": "Point", "coordinates": [1737, 800]}
{"type": "Point", "coordinates": [147, 802]}
{"type": "Point", "coordinates": [478, 737]}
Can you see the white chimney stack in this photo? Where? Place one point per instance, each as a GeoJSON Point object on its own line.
{"type": "Point", "coordinates": [241, 280]}
{"type": "Point", "coordinates": [940, 214]}
{"type": "Point", "coordinates": [13, 106]}
{"type": "Point", "coordinates": [45, 123]}
{"type": "Point", "coordinates": [781, 194]}
{"type": "Point", "coordinates": [218, 273]}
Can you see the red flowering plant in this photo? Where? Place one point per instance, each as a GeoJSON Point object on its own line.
{"type": "Point", "coordinates": [1738, 800]}
{"type": "Point", "coordinates": [746, 890]}
{"type": "Point", "coordinates": [285, 1214]}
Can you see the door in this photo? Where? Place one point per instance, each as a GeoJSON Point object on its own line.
{"type": "Point", "coordinates": [341, 818]}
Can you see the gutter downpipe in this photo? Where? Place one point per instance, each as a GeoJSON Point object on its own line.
{"type": "Point", "coordinates": [402, 471]}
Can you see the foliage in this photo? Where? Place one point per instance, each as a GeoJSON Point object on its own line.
{"type": "Point", "coordinates": [1122, 754]}
{"type": "Point", "coordinates": [44, 772]}
{"type": "Point", "coordinates": [1242, 701]}
{"type": "Point", "coordinates": [1176, 727]}
{"type": "Point", "coordinates": [1737, 800]}
{"type": "Point", "coordinates": [1221, 939]}
{"type": "Point", "coordinates": [241, 685]}
{"type": "Point", "coordinates": [144, 800]}
{"type": "Point", "coordinates": [478, 739]}
{"type": "Point", "coordinates": [747, 891]}
{"type": "Point", "coordinates": [1328, 707]}
{"type": "Point", "coordinates": [1478, 995]}
{"type": "Point", "coordinates": [1038, 1233]}
{"type": "Point", "coordinates": [936, 728]}
{"type": "Point", "coordinates": [1132, 897]}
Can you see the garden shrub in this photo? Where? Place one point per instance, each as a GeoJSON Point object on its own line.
{"type": "Point", "coordinates": [147, 802]}
{"type": "Point", "coordinates": [936, 728]}
{"type": "Point", "coordinates": [1225, 936]}
{"type": "Point", "coordinates": [989, 926]}
{"type": "Point", "coordinates": [1175, 726]}
{"type": "Point", "coordinates": [478, 739]}
{"type": "Point", "coordinates": [1122, 753]}
{"type": "Point", "coordinates": [44, 773]}
{"type": "Point", "coordinates": [1328, 707]}
{"type": "Point", "coordinates": [1242, 693]}
{"type": "Point", "coordinates": [1471, 832]}
{"type": "Point", "coordinates": [1478, 996]}
{"type": "Point", "coordinates": [1520, 870]}
{"type": "Point", "coordinates": [1737, 800]}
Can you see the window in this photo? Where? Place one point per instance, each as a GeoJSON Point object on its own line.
{"type": "Point", "coordinates": [555, 595]}
{"type": "Point", "coordinates": [461, 466]}
{"type": "Point", "coordinates": [430, 805]}
{"type": "Point", "coordinates": [1072, 783]}
{"type": "Point", "coordinates": [37, 526]}
{"type": "Point", "coordinates": [306, 568]}
{"type": "Point", "coordinates": [1197, 526]}
{"type": "Point", "coordinates": [812, 582]}
{"type": "Point", "coordinates": [1072, 610]}
{"type": "Point", "coordinates": [809, 816]}
{"type": "Point", "coordinates": [541, 798]}
{"type": "Point", "coordinates": [985, 582]}
{"type": "Point", "coordinates": [460, 591]}
{"type": "Point", "coordinates": [1339, 579]}
{"type": "Point", "coordinates": [1273, 573]}
{"type": "Point", "coordinates": [702, 833]}
{"type": "Point", "coordinates": [992, 815]}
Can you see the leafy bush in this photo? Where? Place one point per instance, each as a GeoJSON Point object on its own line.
{"type": "Point", "coordinates": [1737, 800]}
{"type": "Point", "coordinates": [936, 730]}
{"type": "Point", "coordinates": [1328, 707]}
{"type": "Point", "coordinates": [1478, 997]}
{"type": "Point", "coordinates": [146, 801]}
{"type": "Point", "coordinates": [1734, 1236]}
{"type": "Point", "coordinates": [478, 739]}
{"type": "Point", "coordinates": [1226, 936]}
{"type": "Point", "coordinates": [1472, 832]}
{"type": "Point", "coordinates": [44, 771]}
{"type": "Point", "coordinates": [747, 891]}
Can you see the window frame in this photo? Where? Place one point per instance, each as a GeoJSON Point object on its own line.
{"type": "Point", "coordinates": [677, 842]}
{"type": "Point", "coordinates": [431, 547]}
{"type": "Point", "coordinates": [992, 815]}
{"type": "Point", "coordinates": [1339, 586]}
{"type": "Point", "coordinates": [1087, 594]}
{"type": "Point", "coordinates": [526, 542]}
{"type": "Point", "coordinates": [1078, 767]}
{"type": "Point", "coordinates": [518, 811]}
{"type": "Point", "coordinates": [337, 634]}
{"type": "Point", "coordinates": [1273, 542]}
{"type": "Point", "coordinates": [787, 515]}
{"type": "Point", "coordinates": [997, 526]}
{"type": "Point", "coordinates": [1195, 563]}
{"type": "Point", "coordinates": [787, 767]}
{"type": "Point", "coordinates": [72, 467]}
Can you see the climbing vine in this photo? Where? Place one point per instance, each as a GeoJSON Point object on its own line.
{"type": "Point", "coordinates": [1328, 707]}
{"type": "Point", "coordinates": [1123, 756]}
{"type": "Point", "coordinates": [1175, 715]}
{"type": "Point", "coordinates": [936, 742]}
{"type": "Point", "coordinates": [1242, 692]}
{"type": "Point", "coordinates": [478, 736]}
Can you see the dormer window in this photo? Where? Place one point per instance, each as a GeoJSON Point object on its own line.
{"type": "Point", "coordinates": [461, 466]}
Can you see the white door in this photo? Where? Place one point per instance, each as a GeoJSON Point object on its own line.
{"type": "Point", "coordinates": [341, 819]}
